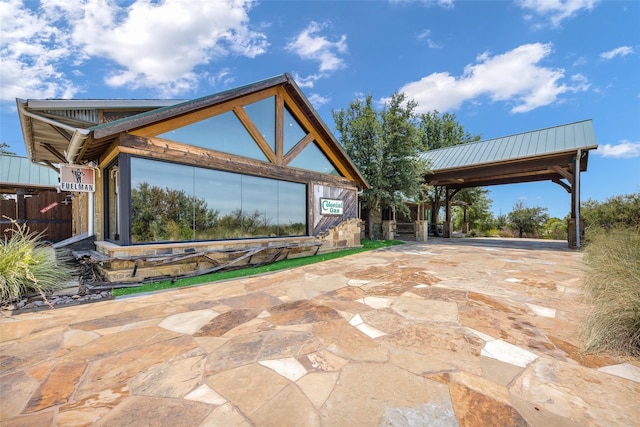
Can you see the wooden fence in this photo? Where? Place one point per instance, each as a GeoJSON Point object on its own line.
{"type": "Point", "coordinates": [48, 212]}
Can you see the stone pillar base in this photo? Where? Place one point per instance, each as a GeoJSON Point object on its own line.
{"type": "Point", "coordinates": [388, 230]}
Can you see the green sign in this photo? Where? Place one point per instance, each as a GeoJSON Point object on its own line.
{"type": "Point", "coordinates": [331, 207]}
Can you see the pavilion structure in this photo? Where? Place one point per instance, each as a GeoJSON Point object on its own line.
{"type": "Point", "coordinates": [557, 154]}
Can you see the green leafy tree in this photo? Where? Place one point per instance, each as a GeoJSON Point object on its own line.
{"type": "Point", "coordinates": [160, 214]}
{"type": "Point", "coordinates": [555, 229]}
{"type": "Point", "coordinates": [616, 211]}
{"type": "Point", "coordinates": [527, 220]}
{"type": "Point", "coordinates": [384, 146]}
{"type": "Point", "coordinates": [478, 209]}
{"type": "Point", "coordinates": [440, 131]}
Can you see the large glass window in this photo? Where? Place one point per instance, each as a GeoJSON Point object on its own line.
{"type": "Point", "coordinates": [172, 202]}
{"type": "Point", "coordinates": [223, 132]}
{"type": "Point", "coordinates": [293, 132]}
{"type": "Point", "coordinates": [162, 202]}
{"type": "Point", "coordinates": [262, 114]}
{"type": "Point", "coordinates": [312, 158]}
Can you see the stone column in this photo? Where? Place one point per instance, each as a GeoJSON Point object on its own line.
{"type": "Point", "coordinates": [422, 231]}
{"type": "Point", "coordinates": [388, 230]}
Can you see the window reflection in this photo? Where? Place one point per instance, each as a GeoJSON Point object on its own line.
{"type": "Point", "coordinates": [162, 201]}
{"type": "Point", "coordinates": [171, 202]}
{"type": "Point", "coordinates": [263, 115]}
{"type": "Point", "coordinates": [293, 132]}
{"type": "Point", "coordinates": [312, 158]}
{"type": "Point", "coordinates": [223, 132]}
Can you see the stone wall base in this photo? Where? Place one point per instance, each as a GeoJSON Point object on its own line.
{"type": "Point", "coordinates": [137, 263]}
{"type": "Point", "coordinates": [132, 264]}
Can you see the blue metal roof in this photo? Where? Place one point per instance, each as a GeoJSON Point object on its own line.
{"type": "Point", "coordinates": [16, 171]}
{"type": "Point", "coordinates": [557, 139]}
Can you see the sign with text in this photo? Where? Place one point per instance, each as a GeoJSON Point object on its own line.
{"type": "Point", "coordinates": [331, 207]}
{"type": "Point", "coordinates": [77, 178]}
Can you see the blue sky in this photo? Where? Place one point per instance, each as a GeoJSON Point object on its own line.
{"type": "Point", "coordinates": [502, 67]}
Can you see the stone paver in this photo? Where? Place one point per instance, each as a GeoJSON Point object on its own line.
{"type": "Point", "coordinates": [444, 333]}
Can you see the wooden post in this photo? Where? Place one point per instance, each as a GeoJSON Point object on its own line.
{"type": "Point", "coordinates": [447, 232]}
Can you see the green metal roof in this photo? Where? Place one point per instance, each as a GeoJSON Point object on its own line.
{"type": "Point", "coordinates": [557, 139]}
{"type": "Point", "coordinates": [16, 171]}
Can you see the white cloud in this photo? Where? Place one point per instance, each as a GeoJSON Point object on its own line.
{"type": "Point", "coordinates": [318, 100]}
{"type": "Point", "coordinates": [31, 52]}
{"type": "Point", "coordinates": [161, 45]}
{"type": "Point", "coordinates": [426, 36]}
{"type": "Point", "coordinates": [557, 10]}
{"type": "Point", "coordinates": [309, 45]}
{"type": "Point", "coordinates": [447, 4]}
{"type": "Point", "coordinates": [513, 77]}
{"type": "Point", "coordinates": [308, 81]}
{"type": "Point", "coordinates": [624, 150]}
{"type": "Point", "coordinates": [619, 51]}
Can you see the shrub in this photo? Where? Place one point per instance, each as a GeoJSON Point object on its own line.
{"type": "Point", "coordinates": [612, 287]}
{"type": "Point", "coordinates": [29, 265]}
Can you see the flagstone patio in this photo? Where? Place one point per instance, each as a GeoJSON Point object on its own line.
{"type": "Point", "coordinates": [464, 332]}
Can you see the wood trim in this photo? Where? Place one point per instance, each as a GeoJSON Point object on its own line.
{"type": "Point", "coordinates": [202, 114]}
{"type": "Point", "coordinates": [563, 172]}
{"type": "Point", "coordinates": [162, 149]}
{"type": "Point", "coordinates": [255, 133]}
{"type": "Point", "coordinates": [280, 127]}
{"type": "Point", "coordinates": [51, 149]}
{"type": "Point", "coordinates": [112, 153]}
{"type": "Point", "coordinates": [563, 185]}
{"type": "Point", "coordinates": [180, 121]}
{"type": "Point", "coordinates": [492, 171]}
{"type": "Point", "coordinates": [336, 161]}
{"type": "Point", "coordinates": [301, 145]}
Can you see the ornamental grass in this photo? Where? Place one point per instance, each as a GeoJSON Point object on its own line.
{"type": "Point", "coordinates": [612, 287]}
{"type": "Point", "coordinates": [28, 265]}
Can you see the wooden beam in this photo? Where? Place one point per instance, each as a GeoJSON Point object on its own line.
{"type": "Point", "coordinates": [187, 108]}
{"type": "Point", "coordinates": [563, 185]}
{"type": "Point", "coordinates": [504, 180]}
{"type": "Point", "coordinates": [255, 133]}
{"type": "Point", "coordinates": [161, 149]}
{"type": "Point", "coordinates": [500, 169]}
{"type": "Point", "coordinates": [280, 127]}
{"type": "Point", "coordinates": [158, 128]}
{"type": "Point", "coordinates": [336, 160]}
{"type": "Point", "coordinates": [301, 145]}
{"type": "Point", "coordinates": [50, 148]}
{"type": "Point", "coordinates": [563, 172]}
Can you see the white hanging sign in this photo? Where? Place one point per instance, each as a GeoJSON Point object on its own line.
{"type": "Point", "coordinates": [77, 178]}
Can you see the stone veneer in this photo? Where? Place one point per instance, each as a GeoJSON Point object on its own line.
{"type": "Point", "coordinates": [345, 235]}
{"type": "Point", "coordinates": [117, 267]}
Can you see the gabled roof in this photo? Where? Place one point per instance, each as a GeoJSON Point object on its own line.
{"type": "Point", "coordinates": [84, 141]}
{"type": "Point", "coordinates": [544, 154]}
{"type": "Point", "coordinates": [19, 172]}
{"type": "Point", "coordinates": [542, 142]}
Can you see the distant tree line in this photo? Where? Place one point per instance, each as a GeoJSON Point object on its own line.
{"type": "Point", "coordinates": [164, 214]}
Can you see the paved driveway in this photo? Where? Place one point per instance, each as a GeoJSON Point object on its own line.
{"type": "Point", "coordinates": [450, 332]}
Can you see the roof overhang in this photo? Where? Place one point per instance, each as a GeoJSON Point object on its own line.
{"type": "Point", "coordinates": [58, 130]}
{"type": "Point", "coordinates": [554, 168]}
{"type": "Point", "coordinates": [543, 155]}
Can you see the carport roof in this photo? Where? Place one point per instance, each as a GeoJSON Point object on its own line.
{"type": "Point", "coordinates": [19, 172]}
{"type": "Point", "coordinates": [544, 154]}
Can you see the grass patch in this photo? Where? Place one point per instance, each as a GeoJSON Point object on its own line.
{"type": "Point", "coordinates": [612, 287]}
{"type": "Point", "coordinates": [367, 245]}
{"type": "Point", "coordinates": [28, 265]}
